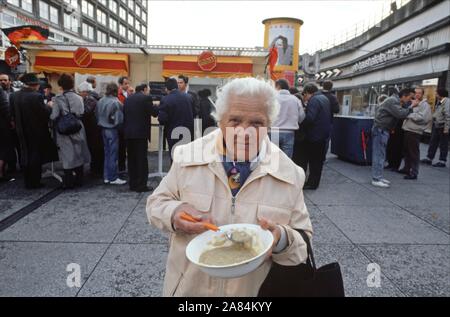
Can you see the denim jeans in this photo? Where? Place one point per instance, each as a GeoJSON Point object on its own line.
{"type": "Point", "coordinates": [380, 139]}
{"type": "Point", "coordinates": [285, 141]}
{"type": "Point", "coordinates": [111, 146]}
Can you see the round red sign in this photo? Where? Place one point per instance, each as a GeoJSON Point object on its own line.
{"type": "Point", "coordinates": [12, 56]}
{"type": "Point", "coordinates": [207, 61]}
{"type": "Point", "coordinates": [82, 57]}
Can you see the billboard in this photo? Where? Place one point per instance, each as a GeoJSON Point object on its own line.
{"type": "Point", "coordinates": [284, 35]}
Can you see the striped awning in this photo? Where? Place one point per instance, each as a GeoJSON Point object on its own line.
{"type": "Point", "coordinates": [63, 62]}
{"type": "Point", "coordinates": [227, 67]}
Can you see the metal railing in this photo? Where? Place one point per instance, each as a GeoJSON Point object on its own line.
{"type": "Point", "coordinates": [358, 28]}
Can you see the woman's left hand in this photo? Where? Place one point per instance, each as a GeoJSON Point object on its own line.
{"type": "Point", "coordinates": [267, 224]}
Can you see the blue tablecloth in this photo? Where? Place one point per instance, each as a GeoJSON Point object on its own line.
{"type": "Point", "coordinates": [347, 139]}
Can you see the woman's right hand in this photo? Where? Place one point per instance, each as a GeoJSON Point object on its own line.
{"type": "Point", "coordinates": [184, 226]}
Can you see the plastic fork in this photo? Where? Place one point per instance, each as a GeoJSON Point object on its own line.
{"type": "Point", "coordinates": [207, 225]}
{"type": "Point", "coordinates": [210, 226]}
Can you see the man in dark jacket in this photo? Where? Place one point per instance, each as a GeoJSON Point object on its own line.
{"type": "Point", "coordinates": [206, 109]}
{"type": "Point", "coordinates": [6, 84]}
{"type": "Point", "coordinates": [36, 144]}
{"type": "Point", "coordinates": [175, 111]}
{"type": "Point", "coordinates": [138, 110]}
{"type": "Point", "coordinates": [334, 103]}
{"type": "Point", "coordinates": [93, 131]}
{"type": "Point", "coordinates": [394, 149]}
{"type": "Point", "coordinates": [317, 126]}
{"type": "Point", "coordinates": [386, 117]}
{"type": "Point", "coordinates": [6, 142]}
{"type": "Point", "coordinates": [334, 106]}
{"type": "Point", "coordinates": [93, 81]}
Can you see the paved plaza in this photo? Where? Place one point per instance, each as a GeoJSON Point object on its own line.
{"type": "Point", "coordinates": [405, 230]}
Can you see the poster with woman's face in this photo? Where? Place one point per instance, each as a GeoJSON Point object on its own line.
{"type": "Point", "coordinates": [282, 36]}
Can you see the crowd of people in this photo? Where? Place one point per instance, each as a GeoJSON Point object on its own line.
{"type": "Point", "coordinates": [400, 122]}
{"type": "Point", "coordinates": [112, 131]}
{"type": "Point", "coordinates": [79, 127]}
{"type": "Point", "coordinates": [303, 127]}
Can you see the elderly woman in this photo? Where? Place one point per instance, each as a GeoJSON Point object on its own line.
{"type": "Point", "coordinates": [233, 175]}
{"type": "Point", "coordinates": [73, 149]}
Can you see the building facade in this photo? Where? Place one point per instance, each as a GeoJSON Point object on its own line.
{"type": "Point", "coordinates": [105, 21]}
{"type": "Point", "coordinates": [409, 48]}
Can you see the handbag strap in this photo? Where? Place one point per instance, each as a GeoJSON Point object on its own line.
{"type": "Point", "coordinates": [308, 248]}
{"type": "Point", "coordinates": [67, 100]}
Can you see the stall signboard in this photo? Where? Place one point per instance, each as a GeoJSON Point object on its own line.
{"type": "Point", "coordinates": [207, 61]}
{"type": "Point", "coordinates": [290, 77]}
{"type": "Point", "coordinates": [82, 57]}
{"type": "Point", "coordinates": [12, 56]}
{"type": "Point", "coordinates": [28, 20]}
{"type": "Point", "coordinates": [418, 45]}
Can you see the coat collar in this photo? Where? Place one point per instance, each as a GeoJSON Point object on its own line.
{"type": "Point", "coordinates": [209, 151]}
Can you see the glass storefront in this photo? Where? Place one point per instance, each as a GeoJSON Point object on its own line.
{"type": "Point", "coordinates": [363, 101]}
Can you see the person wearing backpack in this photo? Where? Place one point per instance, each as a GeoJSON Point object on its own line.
{"type": "Point", "coordinates": [72, 146]}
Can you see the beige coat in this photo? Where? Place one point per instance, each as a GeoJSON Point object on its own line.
{"type": "Point", "coordinates": [273, 190]}
{"type": "Point", "coordinates": [419, 120]}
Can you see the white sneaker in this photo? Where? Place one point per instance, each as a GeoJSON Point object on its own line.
{"type": "Point", "coordinates": [385, 181]}
{"type": "Point", "coordinates": [380, 184]}
{"type": "Point", "coordinates": [106, 181]}
{"type": "Point", "coordinates": [118, 182]}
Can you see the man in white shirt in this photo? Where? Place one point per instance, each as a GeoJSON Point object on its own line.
{"type": "Point", "coordinates": [288, 121]}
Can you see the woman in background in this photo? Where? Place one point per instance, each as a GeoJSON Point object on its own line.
{"type": "Point", "coordinates": [73, 149]}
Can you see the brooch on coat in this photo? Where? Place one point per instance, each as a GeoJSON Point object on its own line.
{"type": "Point", "coordinates": [234, 178]}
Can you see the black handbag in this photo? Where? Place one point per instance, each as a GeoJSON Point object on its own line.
{"type": "Point", "coordinates": [68, 124]}
{"type": "Point", "coordinates": [303, 280]}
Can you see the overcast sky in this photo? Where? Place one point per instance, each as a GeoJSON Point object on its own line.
{"type": "Point", "coordinates": [238, 23]}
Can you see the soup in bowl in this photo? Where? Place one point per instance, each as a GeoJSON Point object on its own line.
{"type": "Point", "coordinates": [217, 256]}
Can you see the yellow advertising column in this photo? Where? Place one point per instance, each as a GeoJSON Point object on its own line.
{"type": "Point", "coordinates": [282, 37]}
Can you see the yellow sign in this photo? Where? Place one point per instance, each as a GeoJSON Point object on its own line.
{"type": "Point", "coordinates": [284, 35]}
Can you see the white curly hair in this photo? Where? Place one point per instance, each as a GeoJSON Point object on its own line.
{"type": "Point", "coordinates": [248, 87]}
{"type": "Point", "coordinates": [85, 87]}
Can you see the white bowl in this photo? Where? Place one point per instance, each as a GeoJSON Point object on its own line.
{"type": "Point", "coordinates": [199, 244]}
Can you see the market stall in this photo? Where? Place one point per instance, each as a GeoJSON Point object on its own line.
{"type": "Point", "coordinates": [351, 138]}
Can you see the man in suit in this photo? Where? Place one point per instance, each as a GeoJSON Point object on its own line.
{"type": "Point", "coordinates": [175, 111]}
{"type": "Point", "coordinates": [31, 117]}
{"type": "Point", "coordinates": [138, 110]}
{"type": "Point", "coordinates": [183, 86]}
